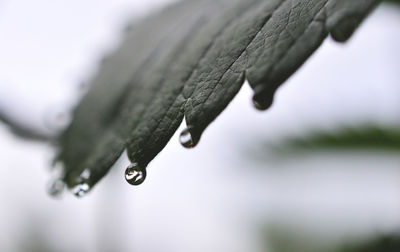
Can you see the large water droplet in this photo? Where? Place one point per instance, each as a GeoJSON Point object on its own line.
{"type": "Point", "coordinates": [135, 175]}
{"type": "Point", "coordinates": [81, 190]}
{"type": "Point", "coordinates": [56, 188]}
{"type": "Point", "coordinates": [186, 139]}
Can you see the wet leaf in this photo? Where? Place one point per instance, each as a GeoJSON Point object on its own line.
{"type": "Point", "coordinates": [189, 61]}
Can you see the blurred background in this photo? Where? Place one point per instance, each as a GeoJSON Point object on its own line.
{"type": "Point", "coordinates": [320, 171]}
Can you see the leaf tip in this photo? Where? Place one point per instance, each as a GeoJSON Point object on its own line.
{"type": "Point", "coordinates": [263, 99]}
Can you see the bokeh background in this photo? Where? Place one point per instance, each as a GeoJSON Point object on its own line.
{"type": "Point", "coordinates": [242, 188]}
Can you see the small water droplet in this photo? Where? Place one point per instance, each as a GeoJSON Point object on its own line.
{"type": "Point", "coordinates": [82, 186]}
{"type": "Point", "coordinates": [81, 190]}
{"type": "Point", "coordinates": [186, 139]}
{"type": "Point", "coordinates": [56, 188]}
{"type": "Point", "coordinates": [135, 175]}
{"type": "Point", "coordinates": [84, 177]}
{"type": "Point", "coordinates": [85, 174]}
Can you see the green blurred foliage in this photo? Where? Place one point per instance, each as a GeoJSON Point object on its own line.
{"type": "Point", "coordinates": [366, 137]}
{"type": "Point", "coordinates": [300, 239]}
{"type": "Point", "coordinates": [386, 243]}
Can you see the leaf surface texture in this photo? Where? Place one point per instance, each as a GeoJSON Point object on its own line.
{"type": "Point", "coordinates": [189, 61]}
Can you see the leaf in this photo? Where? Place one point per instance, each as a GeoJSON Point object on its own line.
{"type": "Point", "coordinates": [22, 130]}
{"type": "Point", "coordinates": [393, 1]}
{"type": "Point", "coordinates": [387, 243]}
{"type": "Point", "coordinates": [366, 137]}
{"type": "Point", "coordinates": [290, 238]}
{"type": "Point", "coordinates": [189, 61]}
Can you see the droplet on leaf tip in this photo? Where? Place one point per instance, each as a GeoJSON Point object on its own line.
{"type": "Point", "coordinates": [186, 139]}
{"type": "Point", "coordinates": [82, 186]}
{"type": "Point", "coordinates": [83, 177]}
{"type": "Point", "coordinates": [85, 174]}
{"type": "Point", "coordinates": [81, 190]}
{"type": "Point", "coordinates": [135, 175]}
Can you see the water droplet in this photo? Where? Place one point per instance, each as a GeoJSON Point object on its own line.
{"type": "Point", "coordinates": [85, 174]}
{"type": "Point", "coordinates": [84, 177]}
{"type": "Point", "coordinates": [81, 190]}
{"type": "Point", "coordinates": [56, 188]}
{"type": "Point", "coordinates": [186, 139]}
{"type": "Point", "coordinates": [82, 186]}
{"type": "Point", "coordinates": [135, 175]}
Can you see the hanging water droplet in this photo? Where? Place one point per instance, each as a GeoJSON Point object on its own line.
{"type": "Point", "coordinates": [81, 190]}
{"type": "Point", "coordinates": [56, 188]}
{"type": "Point", "coordinates": [186, 139]}
{"type": "Point", "coordinates": [82, 187]}
{"type": "Point", "coordinates": [135, 175]}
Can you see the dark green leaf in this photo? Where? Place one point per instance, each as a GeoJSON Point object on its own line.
{"type": "Point", "coordinates": [367, 137]}
{"type": "Point", "coordinates": [393, 1]}
{"type": "Point", "coordinates": [280, 238]}
{"type": "Point", "coordinates": [189, 61]}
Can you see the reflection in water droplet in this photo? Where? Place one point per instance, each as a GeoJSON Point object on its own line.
{"type": "Point", "coordinates": [186, 139]}
{"type": "Point", "coordinates": [56, 188]}
{"type": "Point", "coordinates": [85, 174]}
{"type": "Point", "coordinates": [84, 177]}
{"type": "Point", "coordinates": [81, 189]}
{"type": "Point", "coordinates": [135, 175]}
